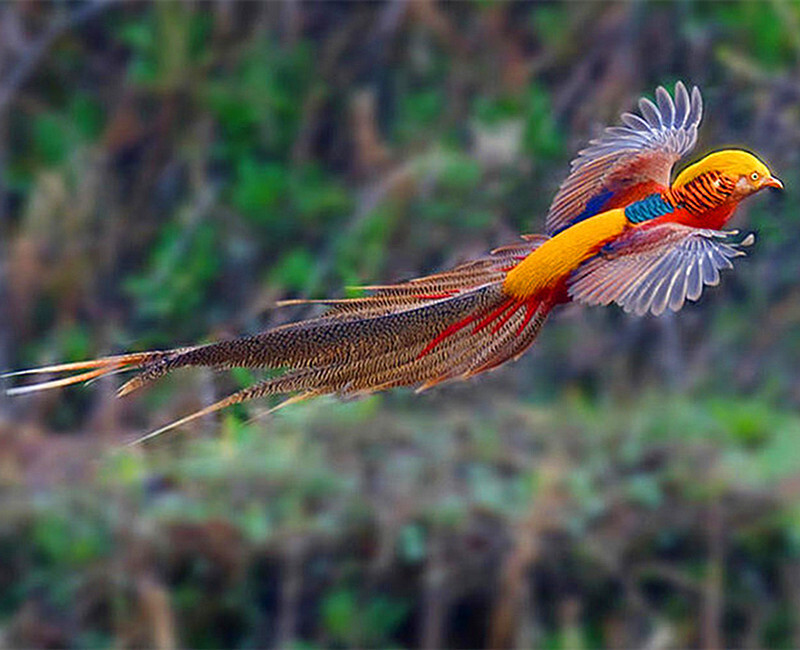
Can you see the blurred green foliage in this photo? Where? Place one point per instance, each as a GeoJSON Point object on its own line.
{"type": "Point", "coordinates": [231, 507]}
{"type": "Point", "coordinates": [171, 169]}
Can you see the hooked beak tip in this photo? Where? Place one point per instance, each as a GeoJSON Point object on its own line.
{"type": "Point", "coordinates": [774, 182]}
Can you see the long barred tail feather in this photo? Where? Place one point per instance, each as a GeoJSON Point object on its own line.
{"type": "Point", "coordinates": [294, 344]}
{"type": "Point", "coordinates": [230, 400]}
{"type": "Point", "coordinates": [445, 326]}
{"type": "Point", "coordinates": [96, 368]}
{"type": "Point", "coordinates": [322, 343]}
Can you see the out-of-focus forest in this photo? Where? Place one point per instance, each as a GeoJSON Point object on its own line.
{"type": "Point", "coordinates": [171, 170]}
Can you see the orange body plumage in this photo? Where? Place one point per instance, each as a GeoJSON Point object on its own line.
{"type": "Point", "coordinates": [618, 231]}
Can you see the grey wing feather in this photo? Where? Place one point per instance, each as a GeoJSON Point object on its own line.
{"type": "Point", "coordinates": [650, 271]}
{"type": "Point", "coordinates": [643, 148]}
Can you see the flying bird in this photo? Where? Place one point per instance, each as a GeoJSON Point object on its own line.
{"type": "Point", "coordinates": [620, 230]}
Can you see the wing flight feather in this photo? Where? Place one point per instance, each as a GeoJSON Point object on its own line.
{"type": "Point", "coordinates": [642, 151]}
{"type": "Point", "coordinates": [651, 269]}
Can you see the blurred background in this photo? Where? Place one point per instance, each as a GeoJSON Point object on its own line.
{"type": "Point", "coordinates": [170, 170]}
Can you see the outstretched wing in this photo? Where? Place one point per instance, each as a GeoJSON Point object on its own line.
{"type": "Point", "coordinates": [650, 269]}
{"type": "Point", "coordinates": [629, 161]}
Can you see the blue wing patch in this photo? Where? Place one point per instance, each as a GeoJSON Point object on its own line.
{"type": "Point", "coordinates": [648, 208]}
{"type": "Point", "coordinates": [594, 206]}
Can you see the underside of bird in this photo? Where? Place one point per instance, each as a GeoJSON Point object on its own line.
{"type": "Point", "coordinates": [450, 325]}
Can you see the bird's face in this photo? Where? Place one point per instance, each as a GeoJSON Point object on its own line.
{"type": "Point", "coordinates": [754, 177]}
{"type": "Point", "coordinates": [747, 173]}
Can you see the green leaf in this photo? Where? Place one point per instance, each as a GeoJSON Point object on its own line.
{"type": "Point", "coordinates": [293, 271]}
{"type": "Point", "coordinates": [412, 543]}
{"type": "Point", "coordinates": [259, 189]}
{"type": "Point", "coordinates": [542, 137]}
{"type": "Point", "coordinates": [339, 615]}
{"type": "Point", "coordinates": [49, 139]}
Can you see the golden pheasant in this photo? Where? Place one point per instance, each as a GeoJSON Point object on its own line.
{"type": "Point", "coordinates": [617, 231]}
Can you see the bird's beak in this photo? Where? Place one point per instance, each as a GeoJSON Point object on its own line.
{"type": "Point", "coordinates": [773, 182]}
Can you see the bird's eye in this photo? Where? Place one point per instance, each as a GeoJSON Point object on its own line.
{"type": "Point", "coordinates": [754, 176]}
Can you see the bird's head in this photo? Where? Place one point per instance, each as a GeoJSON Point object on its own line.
{"type": "Point", "coordinates": [746, 173]}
